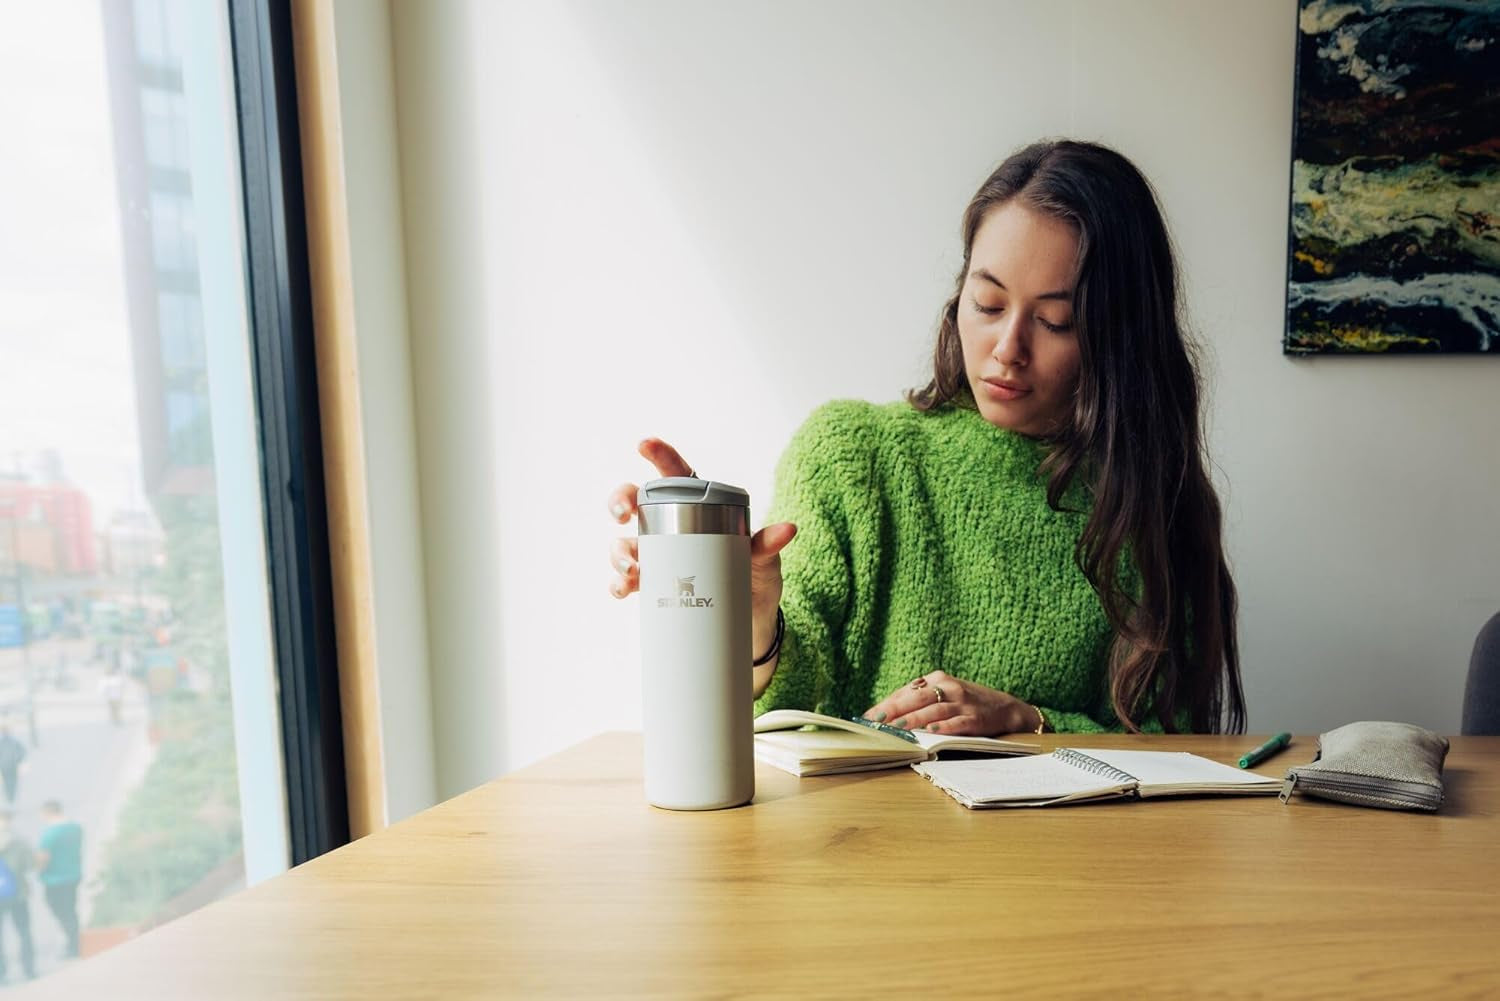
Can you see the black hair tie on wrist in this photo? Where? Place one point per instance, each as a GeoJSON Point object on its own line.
{"type": "Point", "coordinates": [775, 643]}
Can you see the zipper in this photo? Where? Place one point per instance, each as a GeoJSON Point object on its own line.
{"type": "Point", "coordinates": [1359, 789]}
{"type": "Point", "coordinates": [1333, 792]}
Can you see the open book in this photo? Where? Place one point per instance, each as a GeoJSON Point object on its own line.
{"type": "Point", "coordinates": [1068, 775]}
{"type": "Point", "coordinates": [834, 745]}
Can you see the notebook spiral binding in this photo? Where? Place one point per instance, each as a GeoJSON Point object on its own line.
{"type": "Point", "coordinates": [1092, 765]}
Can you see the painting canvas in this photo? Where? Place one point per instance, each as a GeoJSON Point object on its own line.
{"type": "Point", "coordinates": [1395, 202]}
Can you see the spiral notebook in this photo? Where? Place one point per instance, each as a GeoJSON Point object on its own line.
{"type": "Point", "coordinates": [1070, 775]}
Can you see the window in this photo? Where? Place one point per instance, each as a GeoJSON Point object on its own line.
{"type": "Point", "coordinates": [167, 688]}
{"type": "Point", "coordinates": [173, 243]}
{"type": "Point", "coordinates": [164, 124]}
{"type": "Point", "coordinates": [181, 323]}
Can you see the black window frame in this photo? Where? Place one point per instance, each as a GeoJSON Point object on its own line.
{"type": "Point", "coordinates": [284, 363]}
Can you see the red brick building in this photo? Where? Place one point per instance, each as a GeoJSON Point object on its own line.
{"type": "Point", "coordinates": [51, 527]}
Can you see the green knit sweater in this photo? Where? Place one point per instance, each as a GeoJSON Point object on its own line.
{"type": "Point", "coordinates": [924, 542]}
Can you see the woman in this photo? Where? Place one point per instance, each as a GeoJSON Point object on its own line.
{"type": "Point", "coordinates": [1036, 522]}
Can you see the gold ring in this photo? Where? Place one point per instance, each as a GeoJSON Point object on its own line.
{"type": "Point", "coordinates": [938, 691]}
{"type": "Point", "coordinates": [919, 684]}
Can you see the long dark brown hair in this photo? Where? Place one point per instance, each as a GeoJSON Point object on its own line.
{"type": "Point", "coordinates": [1133, 437]}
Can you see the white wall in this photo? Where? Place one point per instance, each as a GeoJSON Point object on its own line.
{"type": "Point", "coordinates": [701, 220]}
{"type": "Point", "coordinates": [472, 652]}
{"type": "Point", "coordinates": [377, 265]}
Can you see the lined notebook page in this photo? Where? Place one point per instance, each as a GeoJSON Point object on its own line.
{"type": "Point", "coordinates": [1179, 771]}
{"type": "Point", "coordinates": [1029, 781]}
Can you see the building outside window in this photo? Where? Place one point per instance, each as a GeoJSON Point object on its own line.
{"type": "Point", "coordinates": [138, 661]}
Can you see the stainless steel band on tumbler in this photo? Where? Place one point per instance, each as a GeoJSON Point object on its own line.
{"type": "Point", "coordinates": [682, 505]}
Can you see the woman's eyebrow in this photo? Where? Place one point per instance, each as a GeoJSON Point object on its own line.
{"type": "Point", "coordinates": [1065, 295]}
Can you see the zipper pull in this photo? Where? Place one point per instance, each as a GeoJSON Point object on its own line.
{"type": "Point", "coordinates": [1288, 786]}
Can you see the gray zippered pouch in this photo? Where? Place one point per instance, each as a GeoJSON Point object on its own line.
{"type": "Point", "coordinates": [1396, 766]}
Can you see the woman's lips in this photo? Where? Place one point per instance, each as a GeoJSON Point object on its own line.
{"type": "Point", "coordinates": [999, 389]}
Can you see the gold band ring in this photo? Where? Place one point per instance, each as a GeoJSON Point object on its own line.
{"type": "Point", "coordinates": [938, 691]}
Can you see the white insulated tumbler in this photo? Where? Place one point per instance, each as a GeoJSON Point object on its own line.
{"type": "Point", "coordinates": [696, 686]}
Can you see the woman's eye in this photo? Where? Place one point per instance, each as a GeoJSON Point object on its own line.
{"type": "Point", "coordinates": [1056, 328]}
{"type": "Point", "coordinates": [986, 310]}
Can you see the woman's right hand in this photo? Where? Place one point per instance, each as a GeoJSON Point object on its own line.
{"type": "Point", "coordinates": [765, 546]}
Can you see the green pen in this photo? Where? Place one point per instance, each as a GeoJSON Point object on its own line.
{"type": "Point", "coordinates": [1264, 751]}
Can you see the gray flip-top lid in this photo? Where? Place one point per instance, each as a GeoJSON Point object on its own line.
{"type": "Point", "coordinates": [687, 490]}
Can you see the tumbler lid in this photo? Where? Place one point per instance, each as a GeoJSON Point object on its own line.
{"type": "Point", "coordinates": [689, 490]}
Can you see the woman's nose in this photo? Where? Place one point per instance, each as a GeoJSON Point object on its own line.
{"type": "Point", "coordinates": [1010, 347]}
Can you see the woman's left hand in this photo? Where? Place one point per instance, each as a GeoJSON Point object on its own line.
{"type": "Point", "coordinates": [942, 703]}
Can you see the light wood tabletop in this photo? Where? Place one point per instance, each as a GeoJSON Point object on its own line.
{"type": "Point", "coordinates": [559, 880]}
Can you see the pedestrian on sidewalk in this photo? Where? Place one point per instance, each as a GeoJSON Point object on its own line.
{"type": "Point", "coordinates": [12, 753]}
{"type": "Point", "coordinates": [16, 862]}
{"type": "Point", "coordinates": [60, 868]}
{"type": "Point", "coordinates": [112, 687]}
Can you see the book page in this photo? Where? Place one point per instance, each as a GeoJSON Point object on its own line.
{"type": "Point", "coordinates": [939, 742]}
{"type": "Point", "coordinates": [829, 752]}
{"type": "Point", "coordinates": [796, 719]}
{"type": "Point", "coordinates": [811, 744]}
{"type": "Point", "coordinates": [1160, 772]}
{"type": "Point", "coordinates": [1031, 781]}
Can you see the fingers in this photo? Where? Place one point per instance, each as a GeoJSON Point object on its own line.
{"type": "Point", "coordinates": [770, 541]}
{"type": "Point", "coordinates": [765, 564]}
{"type": "Point", "coordinates": [622, 502]}
{"type": "Point", "coordinates": [664, 457]}
{"type": "Point", "coordinates": [623, 556]}
{"type": "Point", "coordinates": [934, 714]}
{"type": "Point", "coordinates": [890, 708]}
{"type": "Point", "coordinates": [894, 708]}
{"type": "Point", "coordinates": [918, 694]}
{"type": "Point", "coordinates": [962, 725]}
{"type": "Point", "coordinates": [624, 552]}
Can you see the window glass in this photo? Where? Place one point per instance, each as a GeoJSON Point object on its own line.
{"type": "Point", "coordinates": [140, 768]}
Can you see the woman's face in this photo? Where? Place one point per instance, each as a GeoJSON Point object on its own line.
{"type": "Point", "coordinates": [1015, 319]}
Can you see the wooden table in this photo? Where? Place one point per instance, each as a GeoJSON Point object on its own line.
{"type": "Point", "coordinates": [559, 880]}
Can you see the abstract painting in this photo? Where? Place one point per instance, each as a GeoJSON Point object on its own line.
{"type": "Point", "coordinates": [1395, 201]}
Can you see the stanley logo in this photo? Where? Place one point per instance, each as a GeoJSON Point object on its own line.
{"type": "Point", "coordinates": [686, 597]}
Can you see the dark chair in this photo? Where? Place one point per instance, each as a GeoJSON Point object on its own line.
{"type": "Point", "coordinates": [1482, 692]}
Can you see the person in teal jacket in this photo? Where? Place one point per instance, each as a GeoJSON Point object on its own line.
{"type": "Point", "coordinates": [1031, 540]}
{"type": "Point", "coordinates": [60, 869]}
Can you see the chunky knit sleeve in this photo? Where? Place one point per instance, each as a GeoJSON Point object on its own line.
{"type": "Point", "coordinates": [813, 481]}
